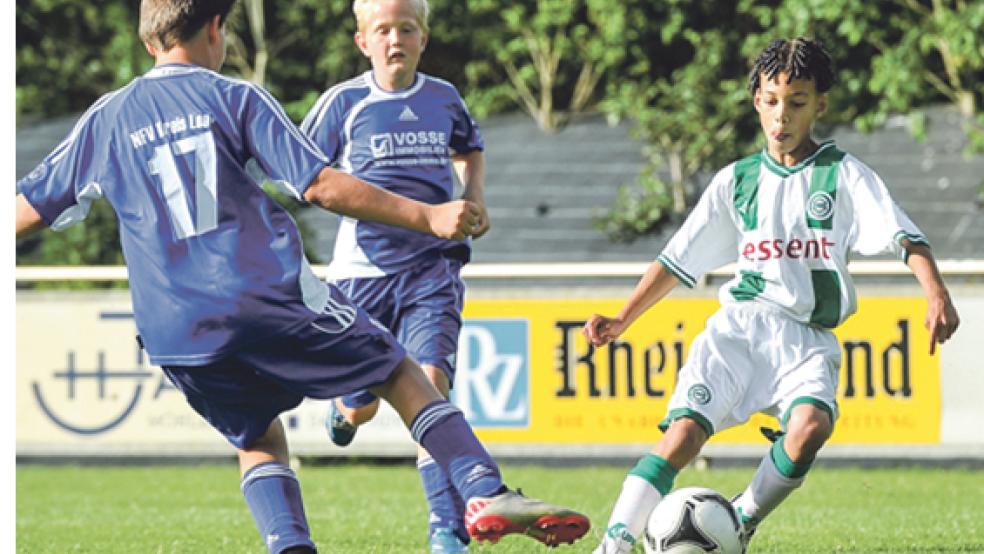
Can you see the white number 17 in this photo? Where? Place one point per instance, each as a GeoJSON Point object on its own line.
{"type": "Point", "coordinates": [175, 193]}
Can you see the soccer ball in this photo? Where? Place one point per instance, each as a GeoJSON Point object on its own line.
{"type": "Point", "coordinates": [693, 520]}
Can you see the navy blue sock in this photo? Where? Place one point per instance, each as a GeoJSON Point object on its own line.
{"type": "Point", "coordinates": [446, 507]}
{"type": "Point", "coordinates": [274, 498]}
{"type": "Point", "coordinates": [441, 429]}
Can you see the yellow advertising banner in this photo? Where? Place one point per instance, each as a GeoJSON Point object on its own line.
{"type": "Point", "coordinates": [527, 375]}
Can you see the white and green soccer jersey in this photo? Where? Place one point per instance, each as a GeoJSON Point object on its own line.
{"type": "Point", "coordinates": [791, 230]}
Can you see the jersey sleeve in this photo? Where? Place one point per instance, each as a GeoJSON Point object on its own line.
{"type": "Point", "coordinates": [66, 182]}
{"type": "Point", "coordinates": [879, 225]}
{"type": "Point", "coordinates": [708, 238]}
{"type": "Point", "coordinates": [465, 135]}
{"type": "Point", "coordinates": [283, 153]}
{"type": "Point", "coordinates": [323, 124]}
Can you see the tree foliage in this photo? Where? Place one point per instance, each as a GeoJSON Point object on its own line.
{"type": "Point", "coordinates": [676, 69]}
{"type": "Point", "coordinates": [548, 57]}
{"type": "Point", "coordinates": [689, 107]}
{"type": "Point", "coordinates": [70, 52]}
{"type": "Point", "coordinates": [893, 56]}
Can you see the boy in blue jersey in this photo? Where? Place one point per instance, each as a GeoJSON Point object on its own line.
{"type": "Point", "coordinates": [791, 216]}
{"type": "Point", "coordinates": [403, 130]}
{"type": "Point", "coordinates": [223, 297]}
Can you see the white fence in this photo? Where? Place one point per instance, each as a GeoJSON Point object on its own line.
{"type": "Point", "coordinates": [511, 271]}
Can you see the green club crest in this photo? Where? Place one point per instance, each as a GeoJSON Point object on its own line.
{"type": "Point", "coordinates": [820, 206]}
{"type": "Point", "coordinates": [699, 394]}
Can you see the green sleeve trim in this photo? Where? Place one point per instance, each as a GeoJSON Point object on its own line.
{"type": "Point", "coordinates": [677, 413]}
{"type": "Point", "coordinates": [679, 273]}
{"type": "Point", "coordinates": [913, 238]}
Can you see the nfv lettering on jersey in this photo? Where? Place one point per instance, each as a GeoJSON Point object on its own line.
{"type": "Point", "coordinates": [794, 248]}
{"type": "Point", "coordinates": [160, 130]}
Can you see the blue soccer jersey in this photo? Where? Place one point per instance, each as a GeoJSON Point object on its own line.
{"type": "Point", "coordinates": [402, 141]}
{"type": "Point", "coordinates": [214, 262]}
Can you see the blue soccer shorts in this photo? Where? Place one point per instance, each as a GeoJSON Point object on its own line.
{"type": "Point", "coordinates": [335, 354]}
{"type": "Point", "coordinates": [421, 306]}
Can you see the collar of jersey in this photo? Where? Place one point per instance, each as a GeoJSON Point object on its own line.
{"type": "Point", "coordinates": [418, 81]}
{"type": "Point", "coordinates": [169, 69]}
{"type": "Point", "coordinates": [785, 171]}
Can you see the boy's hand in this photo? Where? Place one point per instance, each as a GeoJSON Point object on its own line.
{"type": "Point", "coordinates": [941, 320]}
{"type": "Point", "coordinates": [483, 224]}
{"type": "Point", "coordinates": [601, 330]}
{"type": "Point", "coordinates": [454, 220]}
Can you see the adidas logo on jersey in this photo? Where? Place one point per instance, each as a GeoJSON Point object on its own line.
{"type": "Point", "coordinates": [408, 115]}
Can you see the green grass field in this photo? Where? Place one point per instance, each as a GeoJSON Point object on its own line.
{"type": "Point", "coordinates": [379, 509]}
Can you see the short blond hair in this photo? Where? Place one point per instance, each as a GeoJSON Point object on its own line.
{"type": "Point", "coordinates": [364, 9]}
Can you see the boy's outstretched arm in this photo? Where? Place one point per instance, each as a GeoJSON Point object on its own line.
{"type": "Point", "coordinates": [470, 168]}
{"type": "Point", "coordinates": [27, 218]}
{"type": "Point", "coordinates": [654, 285]}
{"type": "Point", "coordinates": [941, 316]}
{"type": "Point", "coordinates": [347, 195]}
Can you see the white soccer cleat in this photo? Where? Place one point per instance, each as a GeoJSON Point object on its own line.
{"type": "Point", "coordinates": [748, 526]}
{"type": "Point", "coordinates": [491, 518]}
{"type": "Point", "coordinates": [617, 540]}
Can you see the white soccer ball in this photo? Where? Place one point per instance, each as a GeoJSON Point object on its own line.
{"type": "Point", "coordinates": [693, 520]}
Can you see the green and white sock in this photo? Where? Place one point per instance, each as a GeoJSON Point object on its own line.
{"type": "Point", "coordinates": [645, 485]}
{"type": "Point", "coordinates": [776, 477]}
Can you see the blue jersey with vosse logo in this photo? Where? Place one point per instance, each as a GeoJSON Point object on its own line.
{"type": "Point", "coordinates": [401, 141]}
{"type": "Point", "coordinates": [213, 262]}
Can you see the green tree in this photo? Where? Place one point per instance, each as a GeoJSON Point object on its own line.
{"type": "Point", "coordinates": [685, 94]}
{"type": "Point", "coordinates": [69, 52]}
{"type": "Point", "coordinates": [548, 57]}
{"type": "Point", "coordinates": [897, 56]}
{"type": "Point", "coordinates": [892, 56]}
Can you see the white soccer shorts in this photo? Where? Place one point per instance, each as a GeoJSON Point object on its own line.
{"type": "Point", "coordinates": [752, 358]}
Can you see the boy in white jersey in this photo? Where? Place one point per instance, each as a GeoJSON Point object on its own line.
{"type": "Point", "coordinates": [790, 216]}
{"type": "Point", "coordinates": [403, 130]}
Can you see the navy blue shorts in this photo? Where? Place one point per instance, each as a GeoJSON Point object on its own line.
{"type": "Point", "coordinates": [335, 354]}
{"type": "Point", "coordinates": [421, 306]}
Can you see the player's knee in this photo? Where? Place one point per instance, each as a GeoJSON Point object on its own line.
{"type": "Point", "coordinates": [438, 377]}
{"type": "Point", "coordinates": [399, 375]}
{"type": "Point", "coordinates": [809, 432]}
{"type": "Point", "coordinates": [363, 414]}
{"type": "Point", "coordinates": [688, 434]}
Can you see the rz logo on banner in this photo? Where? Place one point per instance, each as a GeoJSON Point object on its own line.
{"type": "Point", "coordinates": [492, 380]}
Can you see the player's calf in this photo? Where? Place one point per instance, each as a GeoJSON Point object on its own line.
{"type": "Point", "coordinates": [273, 495]}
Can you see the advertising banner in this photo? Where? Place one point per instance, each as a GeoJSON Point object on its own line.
{"type": "Point", "coordinates": [526, 376]}
{"type": "Point", "coordinates": [889, 390]}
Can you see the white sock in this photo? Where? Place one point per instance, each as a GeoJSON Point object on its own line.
{"type": "Point", "coordinates": [637, 500]}
{"type": "Point", "coordinates": [766, 491]}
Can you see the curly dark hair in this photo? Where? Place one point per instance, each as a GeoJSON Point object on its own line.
{"type": "Point", "coordinates": [800, 58]}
